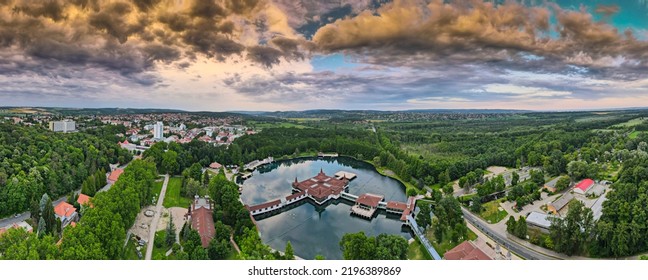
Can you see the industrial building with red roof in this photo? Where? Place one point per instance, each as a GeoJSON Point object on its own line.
{"type": "Point", "coordinates": [583, 186]}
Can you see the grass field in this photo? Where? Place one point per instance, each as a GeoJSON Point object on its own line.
{"type": "Point", "coordinates": [306, 119]}
{"type": "Point", "coordinates": [445, 245]}
{"type": "Point", "coordinates": [630, 123]}
{"type": "Point", "coordinates": [491, 212]}
{"type": "Point", "coordinates": [173, 198]}
{"type": "Point", "coordinates": [416, 251]}
{"type": "Point", "coordinates": [262, 125]}
{"type": "Point", "coordinates": [130, 253]}
{"type": "Point", "coordinates": [386, 172]}
{"type": "Point", "coordinates": [157, 188]}
{"type": "Point", "coordinates": [160, 253]}
{"type": "Point", "coordinates": [634, 134]}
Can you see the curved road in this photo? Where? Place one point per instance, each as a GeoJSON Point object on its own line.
{"type": "Point", "coordinates": [156, 219]}
{"type": "Point", "coordinates": [515, 247]}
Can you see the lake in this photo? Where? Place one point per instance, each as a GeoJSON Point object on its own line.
{"type": "Point", "coordinates": [317, 230]}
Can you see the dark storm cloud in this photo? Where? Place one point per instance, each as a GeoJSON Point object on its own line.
{"type": "Point", "coordinates": [129, 36]}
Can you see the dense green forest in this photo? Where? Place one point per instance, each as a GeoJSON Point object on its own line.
{"type": "Point", "coordinates": [101, 231]}
{"type": "Point", "coordinates": [622, 229]}
{"type": "Point", "coordinates": [38, 166]}
{"type": "Point", "coordinates": [34, 161]}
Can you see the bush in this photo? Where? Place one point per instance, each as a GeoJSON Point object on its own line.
{"type": "Point", "coordinates": [158, 242]}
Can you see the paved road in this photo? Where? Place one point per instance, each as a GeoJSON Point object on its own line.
{"type": "Point", "coordinates": [503, 240]}
{"type": "Point", "coordinates": [26, 215]}
{"type": "Point", "coordinates": [156, 219]}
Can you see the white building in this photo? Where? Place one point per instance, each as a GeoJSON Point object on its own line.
{"type": "Point", "coordinates": [158, 130]}
{"type": "Point", "coordinates": [62, 126]}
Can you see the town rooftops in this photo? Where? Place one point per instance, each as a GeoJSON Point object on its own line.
{"type": "Point", "coordinates": [115, 174]}
{"type": "Point", "coordinates": [466, 251]}
{"type": "Point", "coordinates": [584, 185]}
{"type": "Point", "coordinates": [215, 165]}
{"type": "Point", "coordinates": [64, 210]}
{"type": "Point", "coordinates": [83, 199]}
{"type": "Point", "coordinates": [369, 199]}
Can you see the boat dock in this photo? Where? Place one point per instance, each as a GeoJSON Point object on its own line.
{"type": "Point", "coordinates": [343, 174]}
{"type": "Point", "coordinates": [255, 164]}
{"type": "Point", "coordinates": [327, 155]}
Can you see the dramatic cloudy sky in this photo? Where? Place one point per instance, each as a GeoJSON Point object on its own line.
{"type": "Point", "coordinates": [221, 55]}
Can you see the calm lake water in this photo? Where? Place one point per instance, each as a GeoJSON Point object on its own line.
{"type": "Point", "coordinates": [317, 230]}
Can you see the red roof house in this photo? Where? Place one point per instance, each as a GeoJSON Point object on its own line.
{"type": "Point", "coordinates": [466, 251]}
{"type": "Point", "coordinates": [83, 199]}
{"type": "Point", "coordinates": [583, 186]}
{"type": "Point", "coordinates": [66, 213]}
{"type": "Point", "coordinates": [215, 165]}
{"type": "Point", "coordinates": [115, 175]}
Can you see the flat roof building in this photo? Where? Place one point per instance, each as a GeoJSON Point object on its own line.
{"type": "Point", "coordinates": [62, 126]}
{"type": "Point", "coordinates": [540, 221]}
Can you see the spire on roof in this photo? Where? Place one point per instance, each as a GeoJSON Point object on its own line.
{"type": "Point", "coordinates": [321, 171]}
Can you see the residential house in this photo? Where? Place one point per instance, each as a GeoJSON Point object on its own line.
{"type": "Point", "coordinates": [66, 213]}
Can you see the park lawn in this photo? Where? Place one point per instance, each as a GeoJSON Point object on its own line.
{"type": "Point", "coordinates": [386, 172]}
{"type": "Point", "coordinates": [173, 198]}
{"type": "Point", "coordinates": [634, 134]}
{"type": "Point", "coordinates": [416, 251]}
{"type": "Point", "coordinates": [262, 125]}
{"type": "Point", "coordinates": [446, 245]}
{"type": "Point", "coordinates": [160, 253]}
{"type": "Point", "coordinates": [130, 252]}
{"type": "Point", "coordinates": [157, 188]}
{"type": "Point", "coordinates": [233, 255]}
{"type": "Point", "coordinates": [630, 123]}
{"type": "Point", "coordinates": [491, 212]}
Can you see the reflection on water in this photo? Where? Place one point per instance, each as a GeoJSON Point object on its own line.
{"type": "Point", "coordinates": [317, 230]}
